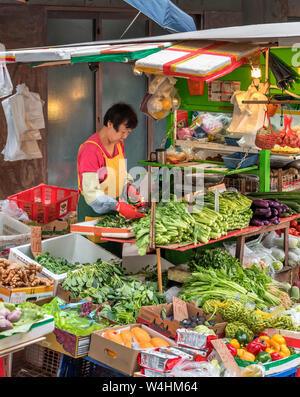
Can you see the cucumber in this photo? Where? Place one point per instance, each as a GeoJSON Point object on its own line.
{"type": "Point", "coordinates": [295, 293]}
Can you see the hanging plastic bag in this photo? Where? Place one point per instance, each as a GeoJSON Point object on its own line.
{"type": "Point", "coordinates": [11, 208]}
{"type": "Point", "coordinates": [6, 86]}
{"type": "Point", "coordinates": [33, 108]}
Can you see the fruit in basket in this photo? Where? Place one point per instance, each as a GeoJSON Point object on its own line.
{"type": "Point", "coordinates": [113, 336]}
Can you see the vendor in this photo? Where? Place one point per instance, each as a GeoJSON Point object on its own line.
{"type": "Point", "coordinates": [103, 181]}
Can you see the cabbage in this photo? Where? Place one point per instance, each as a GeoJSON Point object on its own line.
{"type": "Point", "coordinates": [202, 329]}
{"type": "Point", "coordinates": [277, 266]}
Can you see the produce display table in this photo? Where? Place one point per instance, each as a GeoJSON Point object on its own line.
{"type": "Point", "coordinates": [241, 236]}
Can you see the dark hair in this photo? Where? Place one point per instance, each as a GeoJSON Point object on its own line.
{"type": "Point", "coordinates": [120, 113]}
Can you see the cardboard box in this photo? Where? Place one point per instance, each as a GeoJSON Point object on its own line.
{"type": "Point", "coordinates": [125, 359]}
{"type": "Point", "coordinates": [288, 274]}
{"type": "Point", "coordinates": [19, 295]}
{"type": "Point", "coordinates": [67, 343]}
{"type": "Point", "coordinates": [72, 247]}
{"type": "Point", "coordinates": [151, 316]}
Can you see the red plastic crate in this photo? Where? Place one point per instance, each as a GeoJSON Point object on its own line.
{"type": "Point", "coordinates": [45, 203]}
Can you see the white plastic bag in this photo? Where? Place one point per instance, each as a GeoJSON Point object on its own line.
{"type": "Point", "coordinates": [195, 369]}
{"type": "Point", "coordinates": [33, 108]}
{"type": "Point", "coordinates": [6, 86]}
{"type": "Point", "coordinates": [10, 208]}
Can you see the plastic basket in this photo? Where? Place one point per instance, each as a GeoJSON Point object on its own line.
{"type": "Point", "coordinates": [290, 373]}
{"type": "Point", "coordinates": [45, 203]}
{"type": "Point", "coordinates": [231, 141]}
{"type": "Point", "coordinates": [232, 160]}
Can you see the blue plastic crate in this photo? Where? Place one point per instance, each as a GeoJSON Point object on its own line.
{"type": "Point", "coordinates": [290, 373]}
{"type": "Point", "coordinates": [232, 160]}
{"type": "Point", "coordinates": [231, 141]}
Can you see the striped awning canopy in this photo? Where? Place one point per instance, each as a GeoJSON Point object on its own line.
{"type": "Point", "coordinates": [88, 53]}
{"type": "Point", "coordinates": [203, 60]}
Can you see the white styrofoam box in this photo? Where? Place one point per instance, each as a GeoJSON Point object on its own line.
{"type": "Point", "coordinates": [133, 262]}
{"type": "Point", "coordinates": [89, 228]}
{"type": "Point", "coordinates": [38, 329]}
{"type": "Point", "coordinates": [72, 247]}
{"type": "Point", "coordinates": [13, 232]}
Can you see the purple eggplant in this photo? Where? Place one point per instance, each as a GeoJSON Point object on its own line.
{"type": "Point", "coordinates": [256, 222]}
{"type": "Point", "coordinates": [274, 211]}
{"type": "Point", "coordinates": [266, 222]}
{"type": "Point", "coordinates": [260, 203]}
{"type": "Point", "coordinates": [273, 220]}
{"type": "Point", "coordinates": [274, 204]}
{"type": "Point", "coordinates": [263, 212]}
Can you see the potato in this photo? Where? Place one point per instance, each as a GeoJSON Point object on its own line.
{"type": "Point", "coordinates": [5, 325]}
{"type": "Point", "coordinates": [14, 316]}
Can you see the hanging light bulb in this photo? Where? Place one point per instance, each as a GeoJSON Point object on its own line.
{"type": "Point", "coordinates": [137, 72]}
{"type": "Point", "coordinates": [256, 72]}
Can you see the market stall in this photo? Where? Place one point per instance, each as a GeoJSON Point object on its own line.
{"type": "Point", "coordinates": [231, 307]}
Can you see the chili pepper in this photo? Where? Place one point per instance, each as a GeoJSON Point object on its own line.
{"type": "Point", "coordinates": [232, 349]}
{"type": "Point", "coordinates": [263, 357]}
{"type": "Point", "coordinates": [264, 339]}
{"type": "Point", "coordinates": [279, 339]}
{"type": "Point", "coordinates": [256, 347]}
{"type": "Point", "coordinates": [275, 356]}
{"type": "Point", "coordinates": [247, 356]}
{"type": "Point", "coordinates": [235, 343]}
{"type": "Point", "coordinates": [242, 337]}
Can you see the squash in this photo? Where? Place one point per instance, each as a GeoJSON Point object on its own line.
{"type": "Point", "coordinates": [159, 342]}
{"type": "Point", "coordinates": [126, 336]}
{"type": "Point", "coordinates": [140, 334]}
{"type": "Point", "coordinates": [146, 345]}
{"type": "Point", "coordinates": [113, 336]}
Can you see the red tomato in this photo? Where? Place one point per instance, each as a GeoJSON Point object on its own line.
{"type": "Point", "coordinates": [294, 224]}
{"type": "Point", "coordinates": [292, 230]}
{"type": "Point", "coordinates": [298, 228]}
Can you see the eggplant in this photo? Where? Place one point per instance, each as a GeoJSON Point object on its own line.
{"type": "Point", "coordinates": [273, 220]}
{"type": "Point", "coordinates": [263, 212]}
{"type": "Point", "coordinates": [260, 203]}
{"type": "Point", "coordinates": [274, 211]}
{"type": "Point", "coordinates": [257, 222]}
{"type": "Point", "coordinates": [266, 222]}
{"type": "Point", "coordinates": [274, 204]}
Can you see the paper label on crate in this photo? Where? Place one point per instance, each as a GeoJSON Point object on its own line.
{"type": "Point", "coordinates": [18, 297]}
{"type": "Point", "coordinates": [180, 311]}
{"type": "Point", "coordinates": [36, 240]}
{"type": "Point", "coordinates": [189, 338]}
{"type": "Point", "coordinates": [155, 374]}
{"type": "Point", "coordinates": [63, 208]}
{"type": "Point", "coordinates": [158, 360]}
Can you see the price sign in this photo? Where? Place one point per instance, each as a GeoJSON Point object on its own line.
{"type": "Point", "coordinates": [18, 297]}
{"type": "Point", "coordinates": [36, 240]}
{"type": "Point", "coordinates": [180, 311]}
{"type": "Point", "coordinates": [226, 357]}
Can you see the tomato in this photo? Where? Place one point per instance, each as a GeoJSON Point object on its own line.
{"type": "Point", "coordinates": [292, 230]}
{"type": "Point", "coordinates": [298, 228]}
{"type": "Point", "coordinates": [294, 224]}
